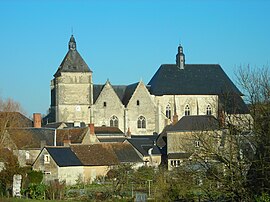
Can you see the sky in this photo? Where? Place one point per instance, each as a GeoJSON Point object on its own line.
{"type": "Point", "coordinates": [124, 41]}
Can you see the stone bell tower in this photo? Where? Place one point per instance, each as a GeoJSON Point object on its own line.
{"type": "Point", "coordinates": [72, 88]}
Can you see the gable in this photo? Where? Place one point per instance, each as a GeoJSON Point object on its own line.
{"type": "Point", "coordinates": [142, 95]}
{"type": "Point", "coordinates": [108, 95]}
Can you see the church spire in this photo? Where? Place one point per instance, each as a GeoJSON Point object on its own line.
{"type": "Point", "coordinates": [180, 58]}
{"type": "Point", "coordinates": [72, 43]}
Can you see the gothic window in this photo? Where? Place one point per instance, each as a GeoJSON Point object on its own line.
{"type": "Point", "coordinates": [104, 104]}
{"type": "Point", "coordinates": [138, 102]}
{"type": "Point", "coordinates": [208, 110]}
{"type": "Point", "coordinates": [168, 112]}
{"type": "Point", "coordinates": [187, 110]}
{"type": "Point", "coordinates": [141, 123]}
{"type": "Point", "coordinates": [114, 121]}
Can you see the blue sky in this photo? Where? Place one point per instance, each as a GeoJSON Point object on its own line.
{"type": "Point", "coordinates": [124, 41]}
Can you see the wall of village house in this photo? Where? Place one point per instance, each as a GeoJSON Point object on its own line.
{"type": "Point", "coordinates": [73, 97]}
{"type": "Point", "coordinates": [50, 168]}
{"type": "Point", "coordinates": [71, 174]}
{"type": "Point", "coordinates": [197, 104]}
{"type": "Point", "coordinates": [27, 157]}
{"type": "Point", "coordinates": [141, 104]}
{"type": "Point", "coordinates": [92, 172]}
{"type": "Point", "coordinates": [106, 106]}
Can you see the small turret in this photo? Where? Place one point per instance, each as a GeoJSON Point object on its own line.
{"type": "Point", "coordinates": [180, 58]}
{"type": "Point", "coordinates": [72, 43]}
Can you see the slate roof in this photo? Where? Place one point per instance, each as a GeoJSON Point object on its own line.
{"type": "Point", "coordinates": [125, 153]}
{"type": "Point", "coordinates": [143, 144]}
{"type": "Point", "coordinates": [195, 123]}
{"type": "Point", "coordinates": [64, 156]}
{"type": "Point", "coordinates": [54, 125]}
{"type": "Point", "coordinates": [198, 79]}
{"type": "Point", "coordinates": [72, 62]}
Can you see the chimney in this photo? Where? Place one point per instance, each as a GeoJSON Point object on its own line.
{"type": "Point", "coordinates": [67, 142]}
{"type": "Point", "coordinates": [37, 120]}
{"type": "Point", "coordinates": [128, 132]}
{"type": "Point", "coordinates": [175, 119]}
{"type": "Point", "coordinates": [92, 128]}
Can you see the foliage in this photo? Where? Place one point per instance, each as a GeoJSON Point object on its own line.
{"type": "Point", "coordinates": [35, 191]}
{"type": "Point", "coordinates": [35, 177]}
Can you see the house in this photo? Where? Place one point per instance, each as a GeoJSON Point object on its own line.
{"type": "Point", "coordinates": [183, 139]}
{"type": "Point", "coordinates": [143, 109]}
{"type": "Point", "coordinates": [84, 162]}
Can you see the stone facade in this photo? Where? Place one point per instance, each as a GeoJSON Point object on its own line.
{"type": "Point", "coordinates": [175, 89]}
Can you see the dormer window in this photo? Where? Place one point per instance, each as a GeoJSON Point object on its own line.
{"type": "Point", "coordinates": [208, 110]}
{"type": "Point", "coordinates": [187, 110]}
{"type": "Point", "coordinates": [104, 104]}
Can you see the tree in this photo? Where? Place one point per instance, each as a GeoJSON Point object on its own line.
{"type": "Point", "coordinates": [256, 85]}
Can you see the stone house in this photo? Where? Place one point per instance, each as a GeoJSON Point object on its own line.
{"type": "Point", "coordinates": [84, 162]}
{"type": "Point", "coordinates": [184, 139]}
{"type": "Point", "coordinates": [175, 89]}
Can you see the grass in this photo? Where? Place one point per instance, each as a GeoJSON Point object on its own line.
{"type": "Point", "coordinates": [25, 200]}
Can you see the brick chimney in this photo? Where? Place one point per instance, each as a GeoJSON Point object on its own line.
{"type": "Point", "coordinates": [91, 128]}
{"type": "Point", "coordinates": [37, 120]}
{"type": "Point", "coordinates": [67, 142]}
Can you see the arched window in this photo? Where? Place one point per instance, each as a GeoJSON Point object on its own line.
{"type": "Point", "coordinates": [187, 110]}
{"type": "Point", "coordinates": [141, 123]}
{"type": "Point", "coordinates": [168, 112]}
{"type": "Point", "coordinates": [114, 121]}
{"type": "Point", "coordinates": [208, 110]}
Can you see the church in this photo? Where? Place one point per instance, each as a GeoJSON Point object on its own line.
{"type": "Point", "coordinates": [174, 91]}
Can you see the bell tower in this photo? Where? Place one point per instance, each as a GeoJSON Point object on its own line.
{"type": "Point", "coordinates": [180, 58]}
{"type": "Point", "coordinates": [72, 88]}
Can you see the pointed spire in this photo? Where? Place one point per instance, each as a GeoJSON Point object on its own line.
{"type": "Point", "coordinates": [180, 58]}
{"type": "Point", "coordinates": [72, 43]}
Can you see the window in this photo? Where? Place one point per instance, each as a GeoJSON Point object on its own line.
{"type": "Point", "coordinates": [114, 121]}
{"type": "Point", "coordinates": [187, 110]}
{"type": "Point", "coordinates": [208, 110]}
{"type": "Point", "coordinates": [46, 158]}
{"type": "Point", "coordinates": [104, 104]}
{"type": "Point", "coordinates": [197, 143]}
{"type": "Point", "coordinates": [168, 112]}
{"type": "Point", "coordinates": [138, 102]}
{"type": "Point", "coordinates": [141, 123]}
{"type": "Point", "coordinates": [175, 163]}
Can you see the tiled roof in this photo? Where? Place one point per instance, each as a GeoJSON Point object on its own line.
{"type": "Point", "coordinates": [107, 130]}
{"type": "Point", "coordinates": [16, 119]}
{"type": "Point", "coordinates": [31, 137]}
{"type": "Point", "coordinates": [75, 135]}
{"type": "Point", "coordinates": [54, 125]}
{"type": "Point", "coordinates": [64, 156]}
{"type": "Point", "coordinates": [125, 153]}
{"type": "Point", "coordinates": [195, 123]}
{"type": "Point", "coordinates": [95, 154]}
{"type": "Point", "coordinates": [111, 139]}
